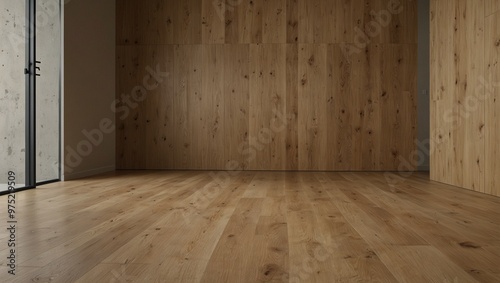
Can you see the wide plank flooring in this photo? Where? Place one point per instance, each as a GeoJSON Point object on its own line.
{"type": "Point", "coordinates": [160, 226]}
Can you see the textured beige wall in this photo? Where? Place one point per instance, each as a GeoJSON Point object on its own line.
{"type": "Point", "coordinates": [89, 87]}
{"type": "Point", "coordinates": [12, 90]}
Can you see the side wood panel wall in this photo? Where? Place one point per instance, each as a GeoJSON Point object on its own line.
{"type": "Point", "coordinates": [267, 84]}
{"type": "Point", "coordinates": [465, 77]}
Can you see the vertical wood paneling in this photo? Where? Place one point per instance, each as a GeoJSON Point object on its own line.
{"type": "Point", "coordinates": [492, 99]}
{"type": "Point", "coordinates": [339, 119]}
{"type": "Point", "coordinates": [369, 120]}
{"type": "Point", "coordinates": [471, 73]}
{"type": "Point", "coordinates": [312, 106]}
{"type": "Point", "coordinates": [442, 87]}
{"type": "Point", "coordinates": [491, 7]}
{"type": "Point", "coordinates": [401, 26]}
{"type": "Point", "coordinates": [236, 100]}
{"type": "Point", "coordinates": [306, 13]}
{"type": "Point", "coordinates": [292, 21]}
{"type": "Point", "coordinates": [267, 103]}
{"type": "Point", "coordinates": [156, 22]}
{"type": "Point", "coordinates": [188, 19]}
{"type": "Point", "coordinates": [274, 21]}
{"type": "Point", "coordinates": [127, 22]}
{"type": "Point", "coordinates": [464, 108]}
{"type": "Point", "coordinates": [187, 106]}
{"type": "Point", "coordinates": [292, 107]}
{"type": "Point", "coordinates": [244, 21]}
{"type": "Point", "coordinates": [145, 24]}
{"type": "Point", "coordinates": [234, 62]}
{"type": "Point", "coordinates": [343, 22]}
{"type": "Point", "coordinates": [212, 108]}
{"type": "Point", "coordinates": [398, 101]}
{"type": "Point", "coordinates": [131, 116]}
{"type": "Point", "coordinates": [160, 109]}
{"type": "Point", "coordinates": [213, 15]}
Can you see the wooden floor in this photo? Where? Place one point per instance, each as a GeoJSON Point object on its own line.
{"type": "Point", "coordinates": [255, 227]}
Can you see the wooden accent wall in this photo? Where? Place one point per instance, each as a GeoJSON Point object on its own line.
{"type": "Point", "coordinates": [268, 84]}
{"type": "Point", "coordinates": [465, 77]}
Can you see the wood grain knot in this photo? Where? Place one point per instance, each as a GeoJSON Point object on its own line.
{"type": "Point", "coordinates": [469, 245]}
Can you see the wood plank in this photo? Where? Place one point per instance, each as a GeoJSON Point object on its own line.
{"type": "Point", "coordinates": [292, 107]}
{"type": "Point", "coordinates": [263, 226]}
{"type": "Point", "coordinates": [339, 84]}
{"type": "Point", "coordinates": [492, 104]}
{"type": "Point", "coordinates": [417, 258]}
{"type": "Point", "coordinates": [459, 110]}
{"type": "Point", "coordinates": [213, 25]}
{"type": "Point", "coordinates": [469, 77]}
{"type": "Point", "coordinates": [268, 105]}
{"type": "Point", "coordinates": [145, 24]}
{"type": "Point", "coordinates": [292, 21]}
{"type": "Point", "coordinates": [236, 97]}
{"type": "Point", "coordinates": [274, 26]}
{"type": "Point", "coordinates": [312, 102]}
{"type": "Point", "coordinates": [130, 114]}
{"type": "Point", "coordinates": [159, 104]}
{"type": "Point", "coordinates": [187, 106]}
{"type": "Point", "coordinates": [212, 108]}
{"type": "Point", "coordinates": [398, 101]}
{"type": "Point", "coordinates": [187, 22]}
{"type": "Point", "coordinates": [243, 21]}
{"type": "Point", "coordinates": [442, 89]}
{"type": "Point", "coordinates": [491, 7]}
{"type": "Point", "coordinates": [127, 22]}
{"type": "Point", "coordinates": [237, 237]}
{"type": "Point", "coordinates": [423, 214]}
{"type": "Point", "coordinates": [397, 21]}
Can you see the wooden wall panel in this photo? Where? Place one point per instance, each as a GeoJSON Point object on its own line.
{"type": "Point", "coordinates": [464, 57]}
{"type": "Point", "coordinates": [367, 122]}
{"type": "Point", "coordinates": [127, 22]}
{"type": "Point", "coordinates": [292, 107]}
{"type": "Point", "coordinates": [212, 108]}
{"type": "Point", "coordinates": [339, 87]}
{"type": "Point", "coordinates": [237, 149]}
{"type": "Point", "coordinates": [292, 21]}
{"type": "Point", "coordinates": [145, 24]}
{"type": "Point", "coordinates": [442, 88]}
{"type": "Point", "coordinates": [267, 103]}
{"type": "Point", "coordinates": [309, 30]}
{"type": "Point", "coordinates": [402, 26]}
{"type": "Point", "coordinates": [187, 21]}
{"type": "Point", "coordinates": [397, 98]}
{"type": "Point", "coordinates": [491, 7]}
{"type": "Point", "coordinates": [492, 96]}
{"type": "Point", "coordinates": [234, 62]}
{"type": "Point", "coordinates": [213, 25]}
{"type": "Point", "coordinates": [159, 107]}
{"type": "Point", "coordinates": [130, 131]}
{"type": "Point", "coordinates": [470, 73]}
{"type": "Point", "coordinates": [274, 21]}
{"type": "Point", "coordinates": [188, 105]}
{"type": "Point", "coordinates": [243, 21]}
{"type": "Point", "coordinates": [312, 120]}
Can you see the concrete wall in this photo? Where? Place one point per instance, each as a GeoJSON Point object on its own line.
{"type": "Point", "coordinates": [89, 87]}
{"type": "Point", "coordinates": [12, 89]}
